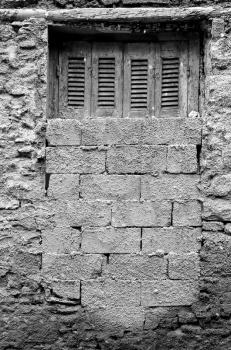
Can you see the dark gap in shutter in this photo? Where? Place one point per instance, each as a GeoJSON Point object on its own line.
{"type": "Point", "coordinates": [170, 83]}
{"type": "Point", "coordinates": [139, 83]}
{"type": "Point", "coordinates": [76, 81]}
{"type": "Point", "coordinates": [106, 82]}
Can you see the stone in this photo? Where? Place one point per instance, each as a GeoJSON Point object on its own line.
{"type": "Point", "coordinates": [228, 228]}
{"type": "Point", "coordinates": [218, 27]}
{"type": "Point", "coordinates": [72, 267]}
{"type": "Point", "coordinates": [110, 187]}
{"type": "Point", "coordinates": [66, 289]}
{"type": "Point", "coordinates": [216, 209]}
{"type": "Point", "coordinates": [61, 240]}
{"type": "Point", "coordinates": [169, 187]}
{"type": "Point", "coordinates": [186, 316]}
{"type": "Point", "coordinates": [116, 319]}
{"type": "Point", "coordinates": [83, 213]}
{"type": "Point", "coordinates": [135, 267]}
{"type": "Point", "coordinates": [183, 266]}
{"type": "Point", "coordinates": [74, 160]}
{"type": "Point", "coordinates": [182, 159]}
{"type": "Point", "coordinates": [136, 131]}
{"type": "Point", "coordinates": [134, 159]}
{"type": "Point", "coordinates": [164, 317]}
{"type": "Point", "coordinates": [213, 226]}
{"type": "Point", "coordinates": [218, 88]}
{"type": "Point", "coordinates": [171, 239]}
{"type": "Point", "coordinates": [63, 186]}
{"type": "Point", "coordinates": [63, 132]}
{"type": "Point", "coordinates": [107, 240]}
{"type": "Point", "coordinates": [154, 2]}
{"type": "Point", "coordinates": [140, 214]}
{"type": "Point", "coordinates": [168, 293]}
{"type": "Point", "coordinates": [104, 293]}
{"type": "Point", "coordinates": [27, 44]}
{"type": "Point", "coordinates": [187, 213]}
{"type": "Point", "coordinates": [220, 186]}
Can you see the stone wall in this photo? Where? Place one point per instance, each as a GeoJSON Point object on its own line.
{"type": "Point", "coordinates": [77, 254]}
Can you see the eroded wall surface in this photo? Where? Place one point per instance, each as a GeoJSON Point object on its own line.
{"type": "Point", "coordinates": [77, 254]}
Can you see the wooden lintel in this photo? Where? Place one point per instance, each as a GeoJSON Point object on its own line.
{"type": "Point", "coordinates": [116, 14]}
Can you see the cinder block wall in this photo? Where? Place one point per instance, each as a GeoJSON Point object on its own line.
{"type": "Point", "coordinates": [128, 216]}
{"type": "Point", "coordinates": [107, 252]}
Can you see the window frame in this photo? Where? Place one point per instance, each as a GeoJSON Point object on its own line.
{"type": "Point", "coordinates": [192, 99]}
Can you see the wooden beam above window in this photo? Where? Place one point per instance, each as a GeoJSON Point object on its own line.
{"type": "Point", "coordinates": [116, 14]}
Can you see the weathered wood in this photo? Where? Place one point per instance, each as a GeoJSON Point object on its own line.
{"type": "Point", "coordinates": [72, 50]}
{"type": "Point", "coordinates": [133, 99]}
{"type": "Point", "coordinates": [107, 99]}
{"type": "Point", "coordinates": [116, 14]}
{"type": "Point", "coordinates": [193, 86]}
{"type": "Point", "coordinates": [53, 93]}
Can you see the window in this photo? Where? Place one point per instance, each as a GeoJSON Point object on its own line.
{"type": "Point", "coordinates": [128, 79]}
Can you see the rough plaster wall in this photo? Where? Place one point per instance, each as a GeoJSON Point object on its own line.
{"type": "Point", "coordinates": [39, 314]}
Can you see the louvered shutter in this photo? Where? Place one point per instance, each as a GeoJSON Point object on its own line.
{"type": "Point", "coordinates": [107, 62]}
{"type": "Point", "coordinates": [138, 80]}
{"type": "Point", "coordinates": [75, 80]}
{"type": "Point", "coordinates": [171, 79]}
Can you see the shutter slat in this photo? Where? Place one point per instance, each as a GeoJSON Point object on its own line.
{"type": "Point", "coordinates": [106, 82]}
{"type": "Point", "coordinates": [139, 83]}
{"type": "Point", "coordinates": [170, 82]}
{"type": "Point", "coordinates": [76, 82]}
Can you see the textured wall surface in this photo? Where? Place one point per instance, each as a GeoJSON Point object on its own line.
{"type": "Point", "coordinates": [77, 254]}
{"type": "Point", "coordinates": [107, 3]}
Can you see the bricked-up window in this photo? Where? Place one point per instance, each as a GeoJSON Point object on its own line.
{"type": "Point", "coordinates": [128, 79]}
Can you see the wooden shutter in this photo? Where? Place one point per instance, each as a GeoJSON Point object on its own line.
{"type": "Point", "coordinates": [193, 76]}
{"type": "Point", "coordinates": [171, 79]}
{"type": "Point", "coordinates": [138, 80]}
{"type": "Point", "coordinates": [107, 62]}
{"type": "Point", "coordinates": [75, 80]}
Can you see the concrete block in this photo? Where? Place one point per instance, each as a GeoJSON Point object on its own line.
{"type": "Point", "coordinates": [172, 131]}
{"type": "Point", "coordinates": [74, 160]}
{"type": "Point", "coordinates": [141, 214]}
{"type": "Point", "coordinates": [105, 293]}
{"type": "Point", "coordinates": [182, 159]}
{"type": "Point", "coordinates": [171, 239]}
{"type": "Point", "coordinates": [110, 187]}
{"type": "Point", "coordinates": [136, 159]}
{"type": "Point", "coordinates": [154, 131]}
{"type": "Point", "coordinates": [63, 186]}
{"type": "Point", "coordinates": [63, 132]}
{"type": "Point", "coordinates": [168, 293]}
{"type": "Point", "coordinates": [183, 266]}
{"type": "Point", "coordinates": [187, 213]}
{"type": "Point", "coordinates": [169, 187]}
{"type": "Point", "coordinates": [135, 267]}
{"type": "Point", "coordinates": [112, 131]}
{"type": "Point", "coordinates": [72, 267]}
{"type": "Point", "coordinates": [83, 213]}
{"type": "Point", "coordinates": [61, 240]}
{"type": "Point", "coordinates": [116, 319]}
{"type": "Point", "coordinates": [93, 132]}
{"type": "Point", "coordinates": [66, 289]}
{"type": "Point", "coordinates": [107, 240]}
